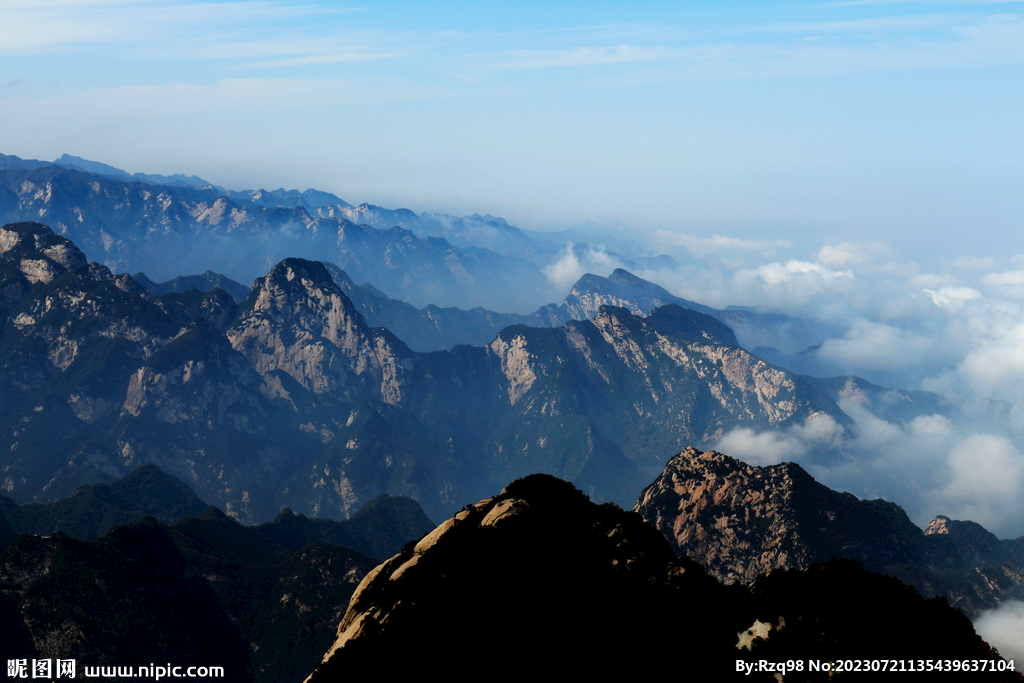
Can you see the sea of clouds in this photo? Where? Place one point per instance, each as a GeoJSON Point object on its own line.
{"type": "Point", "coordinates": [953, 327]}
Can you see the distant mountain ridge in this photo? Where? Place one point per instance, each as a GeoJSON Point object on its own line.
{"type": "Point", "coordinates": [78, 163]}
{"type": "Point", "coordinates": [433, 328]}
{"type": "Point", "coordinates": [166, 230]}
{"type": "Point", "coordinates": [167, 226]}
{"type": "Point", "coordinates": [205, 282]}
{"type": "Point", "coordinates": [379, 529]}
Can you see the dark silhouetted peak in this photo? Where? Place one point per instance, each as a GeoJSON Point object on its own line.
{"type": "Point", "coordinates": [284, 515]}
{"type": "Point", "coordinates": [212, 513]}
{"type": "Point", "coordinates": [206, 282]}
{"type": "Point", "coordinates": [94, 509]}
{"type": "Point", "coordinates": [312, 271]}
{"type": "Point", "coordinates": [520, 571]}
{"type": "Point", "coordinates": [158, 493]}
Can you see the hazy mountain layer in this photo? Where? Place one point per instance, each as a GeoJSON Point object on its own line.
{"type": "Point", "coordinates": [741, 522]}
{"type": "Point", "coordinates": [379, 529]}
{"type": "Point", "coordinates": [433, 328]}
{"type": "Point", "coordinates": [167, 230]}
{"type": "Point", "coordinates": [206, 282]}
{"type": "Point", "coordinates": [94, 509]}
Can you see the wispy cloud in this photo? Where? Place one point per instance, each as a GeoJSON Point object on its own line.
{"type": "Point", "coordinates": [322, 59]}
{"type": "Point", "coordinates": [700, 244]}
{"type": "Point", "coordinates": [54, 23]}
{"type": "Point", "coordinates": [585, 56]}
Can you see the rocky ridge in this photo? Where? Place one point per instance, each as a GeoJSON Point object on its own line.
{"type": "Point", "coordinates": [513, 579]}
{"type": "Point", "coordinates": [741, 522]}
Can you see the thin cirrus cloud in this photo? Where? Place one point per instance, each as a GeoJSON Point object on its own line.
{"type": "Point", "coordinates": [698, 244]}
{"type": "Point", "coordinates": [56, 23]}
{"type": "Point", "coordinates": [584, 56]}
{"type": "Point", "coordinates": [309, 60]}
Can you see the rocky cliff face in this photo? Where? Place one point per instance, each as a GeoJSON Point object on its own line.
{"type": "Point", "coordinates": [742, 522]}
{"type": "Point", "coordinates": [297, 321]}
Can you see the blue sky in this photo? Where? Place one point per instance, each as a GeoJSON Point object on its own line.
{"type": "Point", "coordinates": [862, 120]}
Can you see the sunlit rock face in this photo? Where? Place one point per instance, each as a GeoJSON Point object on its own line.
{"type": "Point", "coordinates": [742, 522]}
{"type": "Point", "coordinates": [297, 320]}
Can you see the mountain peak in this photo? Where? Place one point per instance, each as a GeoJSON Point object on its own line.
{"type": "Point", "coordinates": [623, 275]}
{"type": "Point", "coordinates": [794, 520]}
{"type": "Point", "coordinates": [41, 254]}
{"type": "Point", "coordinates": [297, 319]}
{"type": "Point", "coordinates": [312, 272]}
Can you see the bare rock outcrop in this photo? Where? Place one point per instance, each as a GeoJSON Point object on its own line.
{"type": "Point", "coordinates": [741, 521]}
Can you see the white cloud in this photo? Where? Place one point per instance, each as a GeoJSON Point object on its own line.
{"type": "Point", "coordinates": [1003, 629]}
{"type": "Point", "coordinates": [952, 299]}
{"type": "Point", "coordinates": [789, 445]}
{"type": "Point", "coordinates": [986, 482]}
{"type": "Point", "coordinates": [703, 245]}
{"type": "Point", "coordinates": [875, 345]}
{"type": "Point", "coordinates": [975, 262]}
{"type": "Point", "coordinates": [929, 466]}
{"type": "Point", "coordinates": [574, 262]}
{"type": "Point", "coordinates": [777, 273]}
{"type": "Point", "coordinates": [995, 366]}
{"type": "Point", "coordinates": [1013, 277]}
{"type": "Point", "coordinates": [847, 253]}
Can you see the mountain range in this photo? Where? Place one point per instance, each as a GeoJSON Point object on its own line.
{"type": "Point", "coordinates": [291, 400]}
